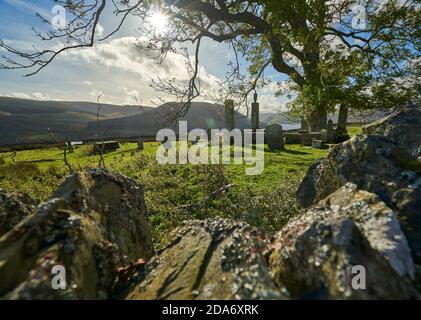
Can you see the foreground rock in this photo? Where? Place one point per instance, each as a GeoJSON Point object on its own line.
{"type": "Point", "coordinates": [402, 127]}
{"type": "Point", "coordinates": [212, 259]}
{"type": "Point", "coordinates": [377, 165]}
{"type": "Point", "coordinates": [95, 224]}
{"type": "Point", "coordinates": [314, 255]}
{"type": "Point", "coordinates": [14, 207]}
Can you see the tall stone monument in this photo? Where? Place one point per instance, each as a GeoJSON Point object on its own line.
{"type": "Point", "coordinates": [255, 121]}
{"type": "Point", "coordinates": [330, 137]}
{"type": "Point", "coordinates": [229, 115]}
{"type": "Point", "coordinates": [342, 120]}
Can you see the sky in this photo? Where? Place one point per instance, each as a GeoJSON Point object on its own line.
{"type": "Point", "coordinates": [117, 67]}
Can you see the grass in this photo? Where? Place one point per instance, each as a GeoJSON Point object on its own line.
{"type": "Point", "coordinates": [354, 130]}
{"type": "Point", "coordinates": [175, 193]}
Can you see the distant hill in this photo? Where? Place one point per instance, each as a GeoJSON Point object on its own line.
{"type": "Point", "coordinates": [200, 115]}
{"type": "Point", "coordinates": [277, 118]}
{"type": "Point", "coordinates": [24, 120]}
{"type": "Point", "coordinates": [354, 116]}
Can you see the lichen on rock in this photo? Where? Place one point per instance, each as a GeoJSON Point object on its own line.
{"type": "Point", "coordinates": [211, 259]}
{"type": "Point", "coordinates": [314, 254]}
{"type": "Point", "coordinates": [94, 224]}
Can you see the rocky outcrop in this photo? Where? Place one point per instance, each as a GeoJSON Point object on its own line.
{"type": "Point", "coordinates": [211, 259]}
{"type": "Point", "coordinates": [94, 224]}
{"type": "Point", "coordinates": [314, 255]}
{"type": "Point", "coordinates": [14, 207]}
{"type": "Point", "coordinates": [402, 127]}
{"type": "Point", "coordinates": [377, 165]}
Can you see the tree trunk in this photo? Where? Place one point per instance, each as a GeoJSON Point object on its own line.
{"type": "Point", "coordinates": [318, 120]}
{"type": "Point", "coordinates": [342, 120]}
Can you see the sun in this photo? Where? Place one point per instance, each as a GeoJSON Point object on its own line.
{"type": "Point", "coordinates": [159, 21]}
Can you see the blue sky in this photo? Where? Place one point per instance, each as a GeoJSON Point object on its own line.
{"type": "Point", "coordinates": [116, 67]}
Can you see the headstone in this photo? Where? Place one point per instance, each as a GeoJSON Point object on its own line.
{"type": "Point", "coordinates": [70, 147]}
{"type": "Point", "coordinates": [107, 146]}
{"type": "Point", "coordinates": [255, 116]}
{"type": "Point", "coordinates": [342, 120]}
{"type": "Point", "coordinates": [317, 144]}
{"type": "Point", "coordinates": [330, 136]}
{"type": "Point", "coordinates": [255, 121]}
{"type": "Point", "coordinates": [140, 144]}
{"type": "Point", "coordinates": [305, 137]}
{"type": "Point", "coordinates": [304, 124]}
{"type": "Point", "coordinates": [274, 137]}
{"type": "Point", "coordinates": [292, 138]}
{"type": "Point", "coordinates": [229, 115]}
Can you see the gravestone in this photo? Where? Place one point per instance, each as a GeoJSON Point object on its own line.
{"type": "Point", "coordinates": [342, 120]}
{"type": "Point", "coordinates": [305, 137]}
{"type": "Point", "coordinates": [304, 124]}
{"type": "Point", "coordinates": [140, 144]}
{"type": "Point", "coordinates": [255, 114]}
{"type": "Point", "coordinates": [275, 137]}
{"type": "Point", "coordinates": [330, 136]}
{"type": "Point", "coordinates": [107, 146]}
{"type": "Point", "coordinates": [317, 144]}
{"type": "Point", "coordinates": [70, 146]}
{"type": "Point", "coordinates": [229, 115]}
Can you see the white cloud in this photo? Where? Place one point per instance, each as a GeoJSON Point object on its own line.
{"type": "Point", "coordinates": [99, 30]}
{"type": "Point", "coordinates": [123, 71]}
{"type": "Point", "coordinates": [126, 54]}
{"type": "Point", "coordinates": [29, 95]}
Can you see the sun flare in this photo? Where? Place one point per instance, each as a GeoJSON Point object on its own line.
{"type": "Point", "coordinates": [159, 21]}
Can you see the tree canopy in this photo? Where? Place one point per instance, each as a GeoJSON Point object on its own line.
{"type": "Point", "coordinates": [362, 53]}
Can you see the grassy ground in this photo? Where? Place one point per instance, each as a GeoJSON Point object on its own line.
{"type": "Point", "coordinates": [178, 192]}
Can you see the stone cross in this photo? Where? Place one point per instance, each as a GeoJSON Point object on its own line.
{"type": "Point", "coordinates": [229, 115]}
{"type": "Point", "coordinates": [274, 137]}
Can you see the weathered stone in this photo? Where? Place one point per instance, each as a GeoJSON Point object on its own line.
{"type": "Point", "coordinates": [330, 134]}
{"type": "Point", "coordinates": [211, 259]}
{"type": "Point", "coordinates": [402, 127]}
{"type": "Point", "coordinates": [377, 165]}
{"type": "Point", "coordinates": [305, 137]}
{"type": "Point", "coordinates": [120, 201]}
{"type": "Point", "coordinates": [229, 115]}
{"type": "Point", "coordinates": [292, 138]}
{"type": "Point", "coordinates": [274, 137]}
{"type": "Point", "coordinates": [106, 146]}
{"type": "Point", "coordinates": [95, 223]}
{"type": "Point", "coordinates": [317, 144]}
{"type": "Point", "coordinates": [140, 144]}
{"type": "Point", "coordinates": [255, 119]}
{"type": "Point", "coordinates": [304, 124]}
{"type": "Point", "coordinates": [14, 207]}
{"type": "Point", "coordinates": [314, 254]}
{"type": "Point", "coordinates": [341, 129]}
